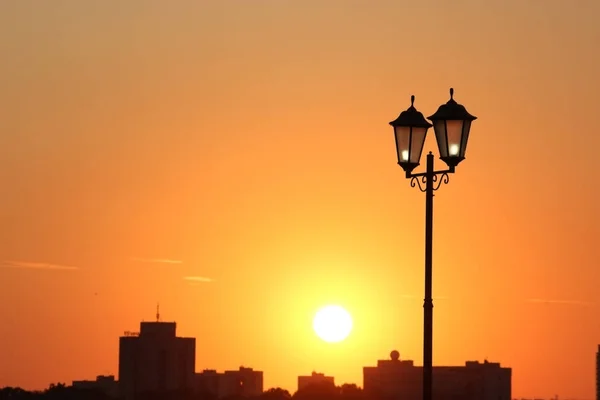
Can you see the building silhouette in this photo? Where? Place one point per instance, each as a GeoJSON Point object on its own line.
{"type": "Point", "coordinates": [207, 383]}
{"type": "Point", "coordinates": [396, 378]}
{"type": "Point", "coordinates": [598, 373]}
{"type": "Point", "coordinates": [104, 384]}
{"type": "Point", "coordinates": [244, 382]}
{"type": "Point", "coordinates": [314, 379]}
{"type": "Point", "coordinates": [156, 360]}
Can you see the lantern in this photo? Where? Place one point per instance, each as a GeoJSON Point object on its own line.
{"type": "Point", "coordinates": [452, 124]}
{"type": "Point", "coordinates": [410, 130]}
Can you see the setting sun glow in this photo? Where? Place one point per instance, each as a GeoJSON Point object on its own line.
{"type": "Point", "coordinates": [332, 324]}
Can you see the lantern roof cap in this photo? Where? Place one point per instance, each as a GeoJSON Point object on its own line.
{"type": "Point", "coordinates": [452, 111]}
{"type": "Point", "coordinates": [411, 117]}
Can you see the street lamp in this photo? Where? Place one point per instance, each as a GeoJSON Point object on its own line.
{"type": "Point", "coordinates": [451, 124]}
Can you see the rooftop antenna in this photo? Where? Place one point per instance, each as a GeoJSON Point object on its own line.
{"type": "Point", "coordinates": [157, 312]}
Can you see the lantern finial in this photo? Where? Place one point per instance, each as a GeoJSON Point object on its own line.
{"type": "Point", "coordinates": [451, 93]}
{"type": "Point", "coordinates": [412, 100]}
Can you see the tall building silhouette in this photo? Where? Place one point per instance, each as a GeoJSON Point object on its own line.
{"type": "Point", "coordinates": [156, 360]}
{"type": "Point", "coordinates": [395, 378]}
{"type": "Point", "coordinates": [598, 373]}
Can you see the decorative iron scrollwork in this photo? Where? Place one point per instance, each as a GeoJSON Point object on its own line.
{"type": "Point", "coordinates": [420, 181]}
{"type": "Point", "coordinates": [437, 179]}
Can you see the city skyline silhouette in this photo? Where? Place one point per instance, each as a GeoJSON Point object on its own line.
{"type": "Point", "coordinates": [155, 363]}
{"type": "Point", "coordinates": [233, 162]}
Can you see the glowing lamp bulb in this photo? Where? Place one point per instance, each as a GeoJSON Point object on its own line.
{"type": "Point", "coordinates": [453, 149]}
{"type": "Point", "coordinates": [404, 155]}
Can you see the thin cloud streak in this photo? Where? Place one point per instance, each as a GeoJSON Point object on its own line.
{"type": "Point", "coordinates": [36, 265]}
{"type": "Point", "coordinates": [198, 279]}
{"type": "Point", "coordinates": [156, 260]}
{"type": "Point", "coordinates": [549, 301]}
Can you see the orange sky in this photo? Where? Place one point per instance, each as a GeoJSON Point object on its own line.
{"type": "Point", "coordinates": [249, 140]}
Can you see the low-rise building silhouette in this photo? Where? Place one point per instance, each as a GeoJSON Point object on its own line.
{"type": "Point", "coordinates": [156, 360]}
{"type": "Point", "coordinates": [104, 384]}
{"type": "Point", "coordinates": [314, 379]}
{"type": "Point", "coordinates": [244, 382]}
{"type": "Point", "coordinates": [395, 378]}
{"type": "Point", "coordinates": [207, 382]}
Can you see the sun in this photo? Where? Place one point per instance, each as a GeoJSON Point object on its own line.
{"type": "Point", "coordinates": [332, 323]}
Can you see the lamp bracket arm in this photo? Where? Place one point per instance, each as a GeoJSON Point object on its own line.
{"type": "Point", "coordinates": [410, 175]}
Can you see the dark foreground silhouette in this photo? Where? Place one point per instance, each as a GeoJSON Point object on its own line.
{"type": "Point", "coordinates": [60, 391]}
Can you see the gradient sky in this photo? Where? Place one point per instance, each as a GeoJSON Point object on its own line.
{"type": "Point", "coordinates": [248, 142]}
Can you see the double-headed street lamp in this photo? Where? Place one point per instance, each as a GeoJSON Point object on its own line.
{"type": "Point", "coordinates": [451, 124]}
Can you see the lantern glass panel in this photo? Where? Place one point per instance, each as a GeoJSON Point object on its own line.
{"type": "Point", "coordinates": [409, 143]}
{"type": "Point", "coordinates": [465, 138]}
{"type": "Point", "coordinates": [402, 134]}
{"type": "Point", "coordinates": [454, 130]}
{"type": "Point", "coordinates": [417, 142]}
{"type": "Point", "coordinates": [439, 127]}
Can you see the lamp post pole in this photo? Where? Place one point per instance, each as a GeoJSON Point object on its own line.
{"type": "Point", "coordinates": [428, 182]}
{"type": "Point", "coordinates": [452, 124]}
{"type": "Point", "coordinates": [428, 302]}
